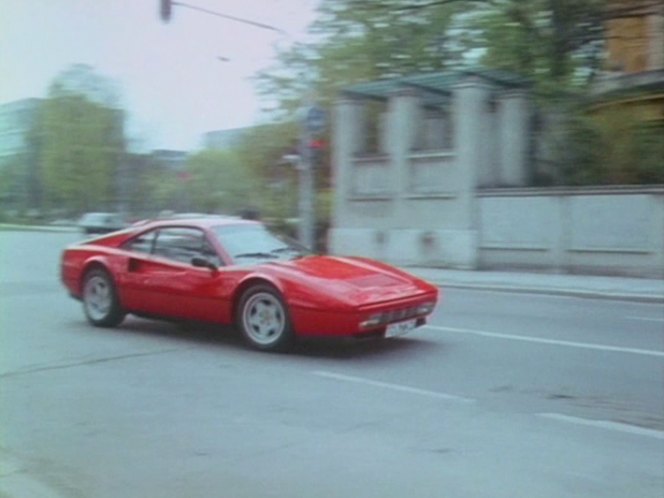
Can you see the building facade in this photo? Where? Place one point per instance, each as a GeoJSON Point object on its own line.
{"type": "Point", "coordinates": [634, 78]}
{"type": "Point", "coordinates": [224, 139]}
{"type": "Point", "coordinates": [16, 120]}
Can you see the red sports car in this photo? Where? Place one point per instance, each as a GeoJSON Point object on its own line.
{"type": "Point", "coordinates": [232, 271]}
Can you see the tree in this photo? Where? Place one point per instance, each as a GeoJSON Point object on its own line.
{"type": "Point", "coordinates": [218, 182]}
{"type": "Point", "coordinates": [262, 152]}
{"type": "Point", "coordinates": [81, 142]}
{"type": "Point", "coordinates": [355, 41]}
{"type": "Point", "coordinates": [559, 44]}
{"type": "Point", "coordinates": [556, 43]}
{"type": "Point", "coordinates": [614, 147]}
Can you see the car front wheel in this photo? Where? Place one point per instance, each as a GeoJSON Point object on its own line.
{"type": "Point", "coordinates": [100, 299]}
{"type": "Point", "coordinates": [263, 319]}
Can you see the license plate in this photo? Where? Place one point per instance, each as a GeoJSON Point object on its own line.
{"type": "Point", "coordinates": [400, 328]}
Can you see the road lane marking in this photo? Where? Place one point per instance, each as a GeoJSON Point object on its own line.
{"type": "Point", "coordinates": [605, 424]}
{"type": "Point", "coordinates": [554, 342]}
{"type": "Point", "coordinates": [645, 318]}
{"type": "Point", "coordinates": [393, 387]}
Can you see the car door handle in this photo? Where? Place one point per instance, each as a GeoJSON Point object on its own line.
{"type": "Point", "coordinates": [133, 264]}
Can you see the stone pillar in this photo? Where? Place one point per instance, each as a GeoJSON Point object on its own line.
{"type": "Point", "coordinates": [404, 117]}
{"type": "Point", "coordinates": [348, 138]}
{"type": "Point", "coordinates": [513, 125]}
{"type": "Point", "coordinates": [471, 96]}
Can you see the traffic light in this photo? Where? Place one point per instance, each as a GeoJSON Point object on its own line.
{"type": "Point", "coordinates": [316, 151]}
{"type": "Point", "coordinates": [165, 9]}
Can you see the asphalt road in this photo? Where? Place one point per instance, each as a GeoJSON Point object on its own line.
{"type": "Point", "coordinates": [503, 395]}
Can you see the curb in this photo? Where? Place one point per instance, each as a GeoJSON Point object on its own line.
{"type": "Point", "coordinates": [36, 228]}
{"type": "Point", "coordinates": [587, 294]}
{"type": "Point", "coordinates": [647, 291]}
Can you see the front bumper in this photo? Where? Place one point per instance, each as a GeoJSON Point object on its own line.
{"type": "Point", "coordinates": [360, 322]}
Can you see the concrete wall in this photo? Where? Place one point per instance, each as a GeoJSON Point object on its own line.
{"type": "Point", "coordinates": [416, 203]}
{"type": "Point", "coordinates": [412, 205]}
{"type": "Point", "coordinates": [418, 219]}
{"type": "Point", "coordinates": [586, 230]}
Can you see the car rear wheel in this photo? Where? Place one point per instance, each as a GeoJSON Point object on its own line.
{"type": "Point", "coordinates": [100, 299]}
{"type": "Point", "coordinates": [263, 319]}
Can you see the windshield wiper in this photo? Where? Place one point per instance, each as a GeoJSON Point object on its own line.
{"type": "Point", "coordinates": [265, 255]}
{"type": "Point", "coordinates": [296, 253]}
{"type": "Point", "coordinates": [280, 250]}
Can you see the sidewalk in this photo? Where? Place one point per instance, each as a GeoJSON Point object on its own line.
{"type": "Point", "coordinates": [600, 287]}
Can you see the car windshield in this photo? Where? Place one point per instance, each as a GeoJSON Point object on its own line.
{"type": "Point", "coordinates": [251, 243]}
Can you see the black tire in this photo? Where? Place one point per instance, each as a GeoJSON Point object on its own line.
{"type": "Point", "coordinates": [262, 317]}
{"type": "Point", "coordinates": [100, 299]}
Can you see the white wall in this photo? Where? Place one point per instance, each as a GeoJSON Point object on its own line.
{"type": "Point", "coordinates": [593, 230]}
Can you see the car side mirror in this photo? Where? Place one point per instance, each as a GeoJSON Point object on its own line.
{"type": "Point", "coordinates": [200, 262]}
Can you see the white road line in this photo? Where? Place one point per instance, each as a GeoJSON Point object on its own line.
{"type": "Point", "coordinates": [645, 318]}
{"type": "Point", "coordinates": [554, 342]}
{"type": "Point", "coordinates": [605, 424]}
{"type": "Point", "coordinates": [393, 387]}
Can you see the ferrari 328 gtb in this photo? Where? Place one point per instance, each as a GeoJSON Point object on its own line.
{"type": "Point", "coordinates": [232, 271]}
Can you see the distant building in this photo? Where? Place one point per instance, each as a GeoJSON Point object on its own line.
{"type": "Point", "coordinates": [224, 139]}
{"type": "Point", "coordinates": [16, 120]}
{"type": "Point", "coordinates": [170, 160]}
{"type": "Point", "coordinates": [634, 77]}
{"type": "Point", "coordinates": [635, 36]}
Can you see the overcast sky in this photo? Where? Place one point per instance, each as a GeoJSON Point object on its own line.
{"type": "Point", "coordinates": [171, 82]}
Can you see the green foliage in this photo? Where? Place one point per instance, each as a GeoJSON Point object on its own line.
{"type": "Point", "coordinates": [77, 144]}
{"type": "Point", "coordinates": [164, 191]}
{"type": "Point", "coordinates": [649, 153]}
{"type": "Point", "coordinates": [556, 43]}
{"type": "Point", "coordinates": [218, 182]}
{"type": "Point", "coordinates": [359, 41]}
{"type": "Point", "coordinates": [262, 152]}
{"type": "Point", "coordinates": [82, 146]}
{"type": "Point", "coordinates": [613, 147]}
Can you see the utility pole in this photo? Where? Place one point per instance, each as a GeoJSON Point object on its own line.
{"type": "Point", "coordinates": [313, 123]}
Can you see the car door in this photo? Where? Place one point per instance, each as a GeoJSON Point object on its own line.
{"type": "Point", "coordinates": [164, 282]}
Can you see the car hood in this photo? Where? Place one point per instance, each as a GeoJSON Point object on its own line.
{"type": "Point", "coordinates": [354, 281]}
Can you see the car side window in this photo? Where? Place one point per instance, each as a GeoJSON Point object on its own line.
{"type": "Point", "coordinates": [143, 243]}
{"type": "Point", "coordinates": [183, 244]}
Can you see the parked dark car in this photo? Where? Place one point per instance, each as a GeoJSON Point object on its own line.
{"type": "Point", "coordinates": [93, 223]}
